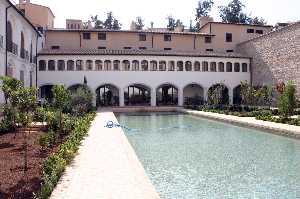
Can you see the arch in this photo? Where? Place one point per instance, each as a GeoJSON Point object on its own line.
{"type": "Point", "coordinates": [153, 65]}
{"type": "Point", "coordinates": [70, 65]}
{"type": "Point", "coordinates": [237, 67]}
{"type": "Point", "coordinates": [61, 65]}
{"type": "Point", "coordinates": [204, 66]}
{"type": "Point", "coordinates": [137, 95]}
{"type": "Point", "coordinates": [180, 66]}
{"type": "Point", "coordinates": [221, 67]}
{"type": "Point", "coordinates": [237, 97]}
{"type": "Point", "coordinates": [162, 66]}
{"type": "Point", "coordinates": [73, 88]}
{"type": "Point", "coordinates": [107, 95]}
{"type": "Point", "coordinates": [197, 66]}
{"type": "Point", "coordinates": [107, 65]}
{"type": "Point", "coordinates": [98, 65]}
{"type": "Point", "coordinates": [79, 65]}
{"type": "Point", "coordinates": [116, 64]}
{"type": "Point", "coordinates": [244, 67]}
{"type": "Point", "coordinates": [144, 65]}
{"type": "Point", "coordinates": [171, 66]}
{"type": "Point", "coordinates": [218, 94]}
{"type": "Point", "coordinates": [89, 65]}
{"type": "Point", "coordinates": [228, 67]}
{"type": "Point", "coordinates": [188, 66]}
{"type": "Point", "coordinates": [42, 65]}
{"type": "Point", "coordinates": [213, 67]}
{"type": "Point", "coordinates": [22, 47]}
{"type": "Point", "coordinates": [135, 65]}
{"type": "Point", "coordinates": [45, 92]}
{"type": "Point", "coordinates": [193, 94]}
{"type": "Point", "coordinates": [167, 95]}
{"type": "Point", "coordinates": [51, 65]}
{"type": "Point", "coordinates": [126, 65]}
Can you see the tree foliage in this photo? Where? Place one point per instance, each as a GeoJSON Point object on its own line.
{"type": "Point", "coordinates": [203, 10]}
{"type": "Point", "coordinates": [218, 95]}
{"type": "Point", "coordinates": [173, 23]}
{"type": "Point", "coordinates": [139, 23]}
{"type": "Point", "coordinates": [287, 101]}
{"type": "Point", "coordinates": [233, 13]}
{"type": "Point", "coordinates": [110, 23]}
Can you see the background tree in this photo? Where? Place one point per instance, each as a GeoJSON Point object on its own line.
{"type": "Point", "coordinates": [139, 23]}
{"type": "Point", "coordinates": [287, 101]}
{"type": "Point", "coordinates": [98, 24]}
{"type": "Point", "coordinates": [233, 13]}
{"type": "Point", "coordinates": [171, 23]}
{"type": "Point", "coordinates": [203, 9]}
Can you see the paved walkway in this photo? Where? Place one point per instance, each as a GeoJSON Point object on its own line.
{"type": "Point", "coordinates": [275, 128]}
{"type": "Point", "coordinates": [106, 167]}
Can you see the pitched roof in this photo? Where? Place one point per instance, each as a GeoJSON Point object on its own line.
{"type": "Point", "coordinates": [135, 52]}
{"type": "Point", "coordinates": [236, 24]}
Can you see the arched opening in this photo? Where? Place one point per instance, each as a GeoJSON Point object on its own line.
{"type": "Point", "coordinates": [204, 66]}
{"type": "Point", "coordinates": [22, 46]}
{"type": "Point", "coordinates": [42, 65]}
{"type": "Point", "coordinates": [75, 87]}
{"type": "Point", "coordinates": [221, 67]}
{"type": "Point", "coordinates": [166, 95]}
{"type": "Point", "coordinates": [171, 66]}
{"type": "Point", "coordinates": [46, 92]}
{"type": "Point", "coordinates": [144, 65]}
{"type": "Point", "coordinates": [237, 67]}
{"type": "Point", "coordinates": [51, 65]}
{"type": "Point", "coordinates": [237, 97]}
{"type": "Point", "coordinates": [98, 65]}
{"type": "Point", "coordinates": [197, 66]}
{"type": "Point", "coordinates": [162, 65]}
{"type": "Point", "coordinates": [193, 94]}
{"type": "Point", "coordinates": [218, 94]}
{"type": "Point", "coordinates": [137, 95]}
{"type": "Point", "coordinates": [79, 65]}
{"type": "Point", "coordinates": [107, 65]}
{"type": "Point", "coordinates": [228, 67]}
{"type": "Point", "coordinates": [107, 95]}
{"type": "Point", "coordinates": [135, 65]}
{"type": "Point", "coordinates": [180, 66]}
{"type": "Point", "coordinates": [70, 65]}
{"type": "Point", "coordinates": [126, 65]}
{"type": "Point", "coordinates": [244, 67]}
{"type": "Point", "coordinates": [188, 66]}
{"type": "Point", "coordinates": [213, 67]}
{"type": "Point", "coordinates": [116, 64]}
{"type": "Point", "coordinates": [61, 65]}
{"type": "Point", "coordinates": [89, 65]}
{"type": "Point", "coordinates": [153, 65]}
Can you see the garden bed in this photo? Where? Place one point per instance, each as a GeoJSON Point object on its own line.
{"type": "Point", "coordinates": [13, 183]}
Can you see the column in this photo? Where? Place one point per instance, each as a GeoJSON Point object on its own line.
{"type": "Point", "coordinates": [205, 94]}
{"type": "Point", "coordinates": [230, 93]}
{"type": "Point", "coordinates": [180, 96]}
{"type": "Point", "coordinates": [95, 98]}
{"type": "Point", "coordinates": [153, 97]}
{"type": "Point", "coordinates": [121, 97]}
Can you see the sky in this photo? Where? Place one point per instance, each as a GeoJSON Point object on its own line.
{"type": "Point", "coordinates": [126, 11]}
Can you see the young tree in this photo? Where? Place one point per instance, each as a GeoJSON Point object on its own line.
{"type": "Point", "coordinates": [116, 25]}
{"type": "Point", "coordinates": [139, 23]}
{"type": "Point", "coordinates": [171, 23]}
{"type": "Point", "coordinates": [98, 24]}
{"type": "Point", "coordinates": [287, 101]}
{"type": "Point", "coordinates": [203, 9]}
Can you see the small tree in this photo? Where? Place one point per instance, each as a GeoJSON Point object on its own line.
{"type": "Point", "coordinates": [203, 9]}
{"type": "Point", "coordinates": [61, 99]}
{"type": "Point", "coordinates": [287, 101]}
{"type": "Point", "coordinates": [139, 23]}
{"type": "Point", "coordinates": [171, 23]}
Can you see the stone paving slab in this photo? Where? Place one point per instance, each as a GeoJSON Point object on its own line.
{"type": "Point", "coordinates": [106, 167]}
{"type": "Point", "coordinates": [272, 127]}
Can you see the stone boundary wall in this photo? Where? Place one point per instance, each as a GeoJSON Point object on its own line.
{"type": "Point", "coordinates": [276, 56]}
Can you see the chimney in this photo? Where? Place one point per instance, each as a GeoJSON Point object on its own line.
{"type": "Point", "coordinates": [204, 20]}
{"type": "Point", "coordinates": [179, 29]}
{"type": "Point", "coordinates": [90, 26]}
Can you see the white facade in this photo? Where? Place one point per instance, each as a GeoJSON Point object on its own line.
{"type": "Point", "coordinates": [21, 68]}
{"type": "Point", "coordinates": [122, 78]}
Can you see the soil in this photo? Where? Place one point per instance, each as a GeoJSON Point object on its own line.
{"type": "Point", "coordinates": [14, 183]}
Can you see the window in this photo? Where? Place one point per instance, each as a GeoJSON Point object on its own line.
{"type": "Point", "coordinates": [89, 65]}
{"type": "Point", "coordinates": [70, 65]}
{"type": "Point", "coordinates": [188, 66]}
{"type": "Point", "coordinates": [229, 51]}
{"type": "Point", "coordinates": [179, 66]}
{"type": "Point", "coordinates": [197, 66]}
{"type": "Point", "coordinates": [153, 65]}
{"type": "Point", "coordinates": [127, 47]}
{"type": "Point", "coordinates": [162, 65]}
{"type": "Point", "coordinates": [87, 35]}
{"type": "Point", "coordinates": [221, 67]}
{"type": "Point", "coordinates": [167, 38]}
{"type": "Point", "coordinates": [209, 50]}
{"type": "Point", "coordinates": [142, 48]}
{"type": "Point", "coordinates": [101, 36]}
{"type": "Point", "coordinates": [259, 32]}
{"type": "Point", "coordinates": [101, 47]}
{"type": "Point", "coordinates": [142, 37]}
{"type": "Point", "coordinates": [42, 65]}
{"type": "Point", "coordinates": [228, 67]}
{"type": "Point", "coordinates": [167, 48]}
{"type": "Point", "coordinates": [61, 65]}
{"type": "Point", "coordinates": [205, 66]}
{"type": "Point", "coordinates": [79, 65]}
{"type": "Point", "coordinates": [244, 67]}
{"type": "Point", "coordinates": [135, 65]}
{"type": "Point", "coordinates": [107, 65]}
{"type": "Point", "coordinates": [207, 39]}
{"type": "Point", "coordinates": [250, 30]}
{"type": "Point", "coordinates": [228, 37]}
{"type": "Point", "coordinates": [55, 47]}
{"type": "Point", "coordinates": [144, 65]}
{"type": "Point", "coordinates": [213, 67]}
{"type": "Point", "coordinates": [171, 66]}
{"type": "Point", "coordinates": [116, 64]}
{"type": "Point", "coordinates": [51, 65]}
{"type": "Point", "coordinates": [236, 67]}
{"type": "Point", "coordinates": [126, 65]}
{"type": "Point", "coordinates": [98, 64]}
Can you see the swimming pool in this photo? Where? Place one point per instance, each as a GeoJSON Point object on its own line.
{"type": "Point", "coordinates": [187, 157]}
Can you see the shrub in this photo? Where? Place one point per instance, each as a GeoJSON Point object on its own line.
{"type": "Point", "coordinates": [81, 101]}
{"type": "Point", "coordinates": [48, 140]}
{"type": "Point", "coordinates": [287, 101]}
{"type": "Point", "coordinates": [40, 115]}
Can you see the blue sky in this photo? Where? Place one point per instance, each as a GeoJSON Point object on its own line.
{"type": "Point", "coordinates": [272, 11]}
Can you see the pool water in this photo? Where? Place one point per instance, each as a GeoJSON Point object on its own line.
{"type": "Point", "coordinates": [187, 157]}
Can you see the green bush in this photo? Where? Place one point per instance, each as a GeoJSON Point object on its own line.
{"type": "Point", "coordinates": [48, 140]}
{"type": "Point", "coordinates": [40, 115]}
{"type": "Point", "coordinates": [287, 101]}
{"type": "Point", "coordinates": [6, 126]}
{"type": "Point", "coordinates": [81, 101]}
{"type": "Point", "coordinates": [55, 164]}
